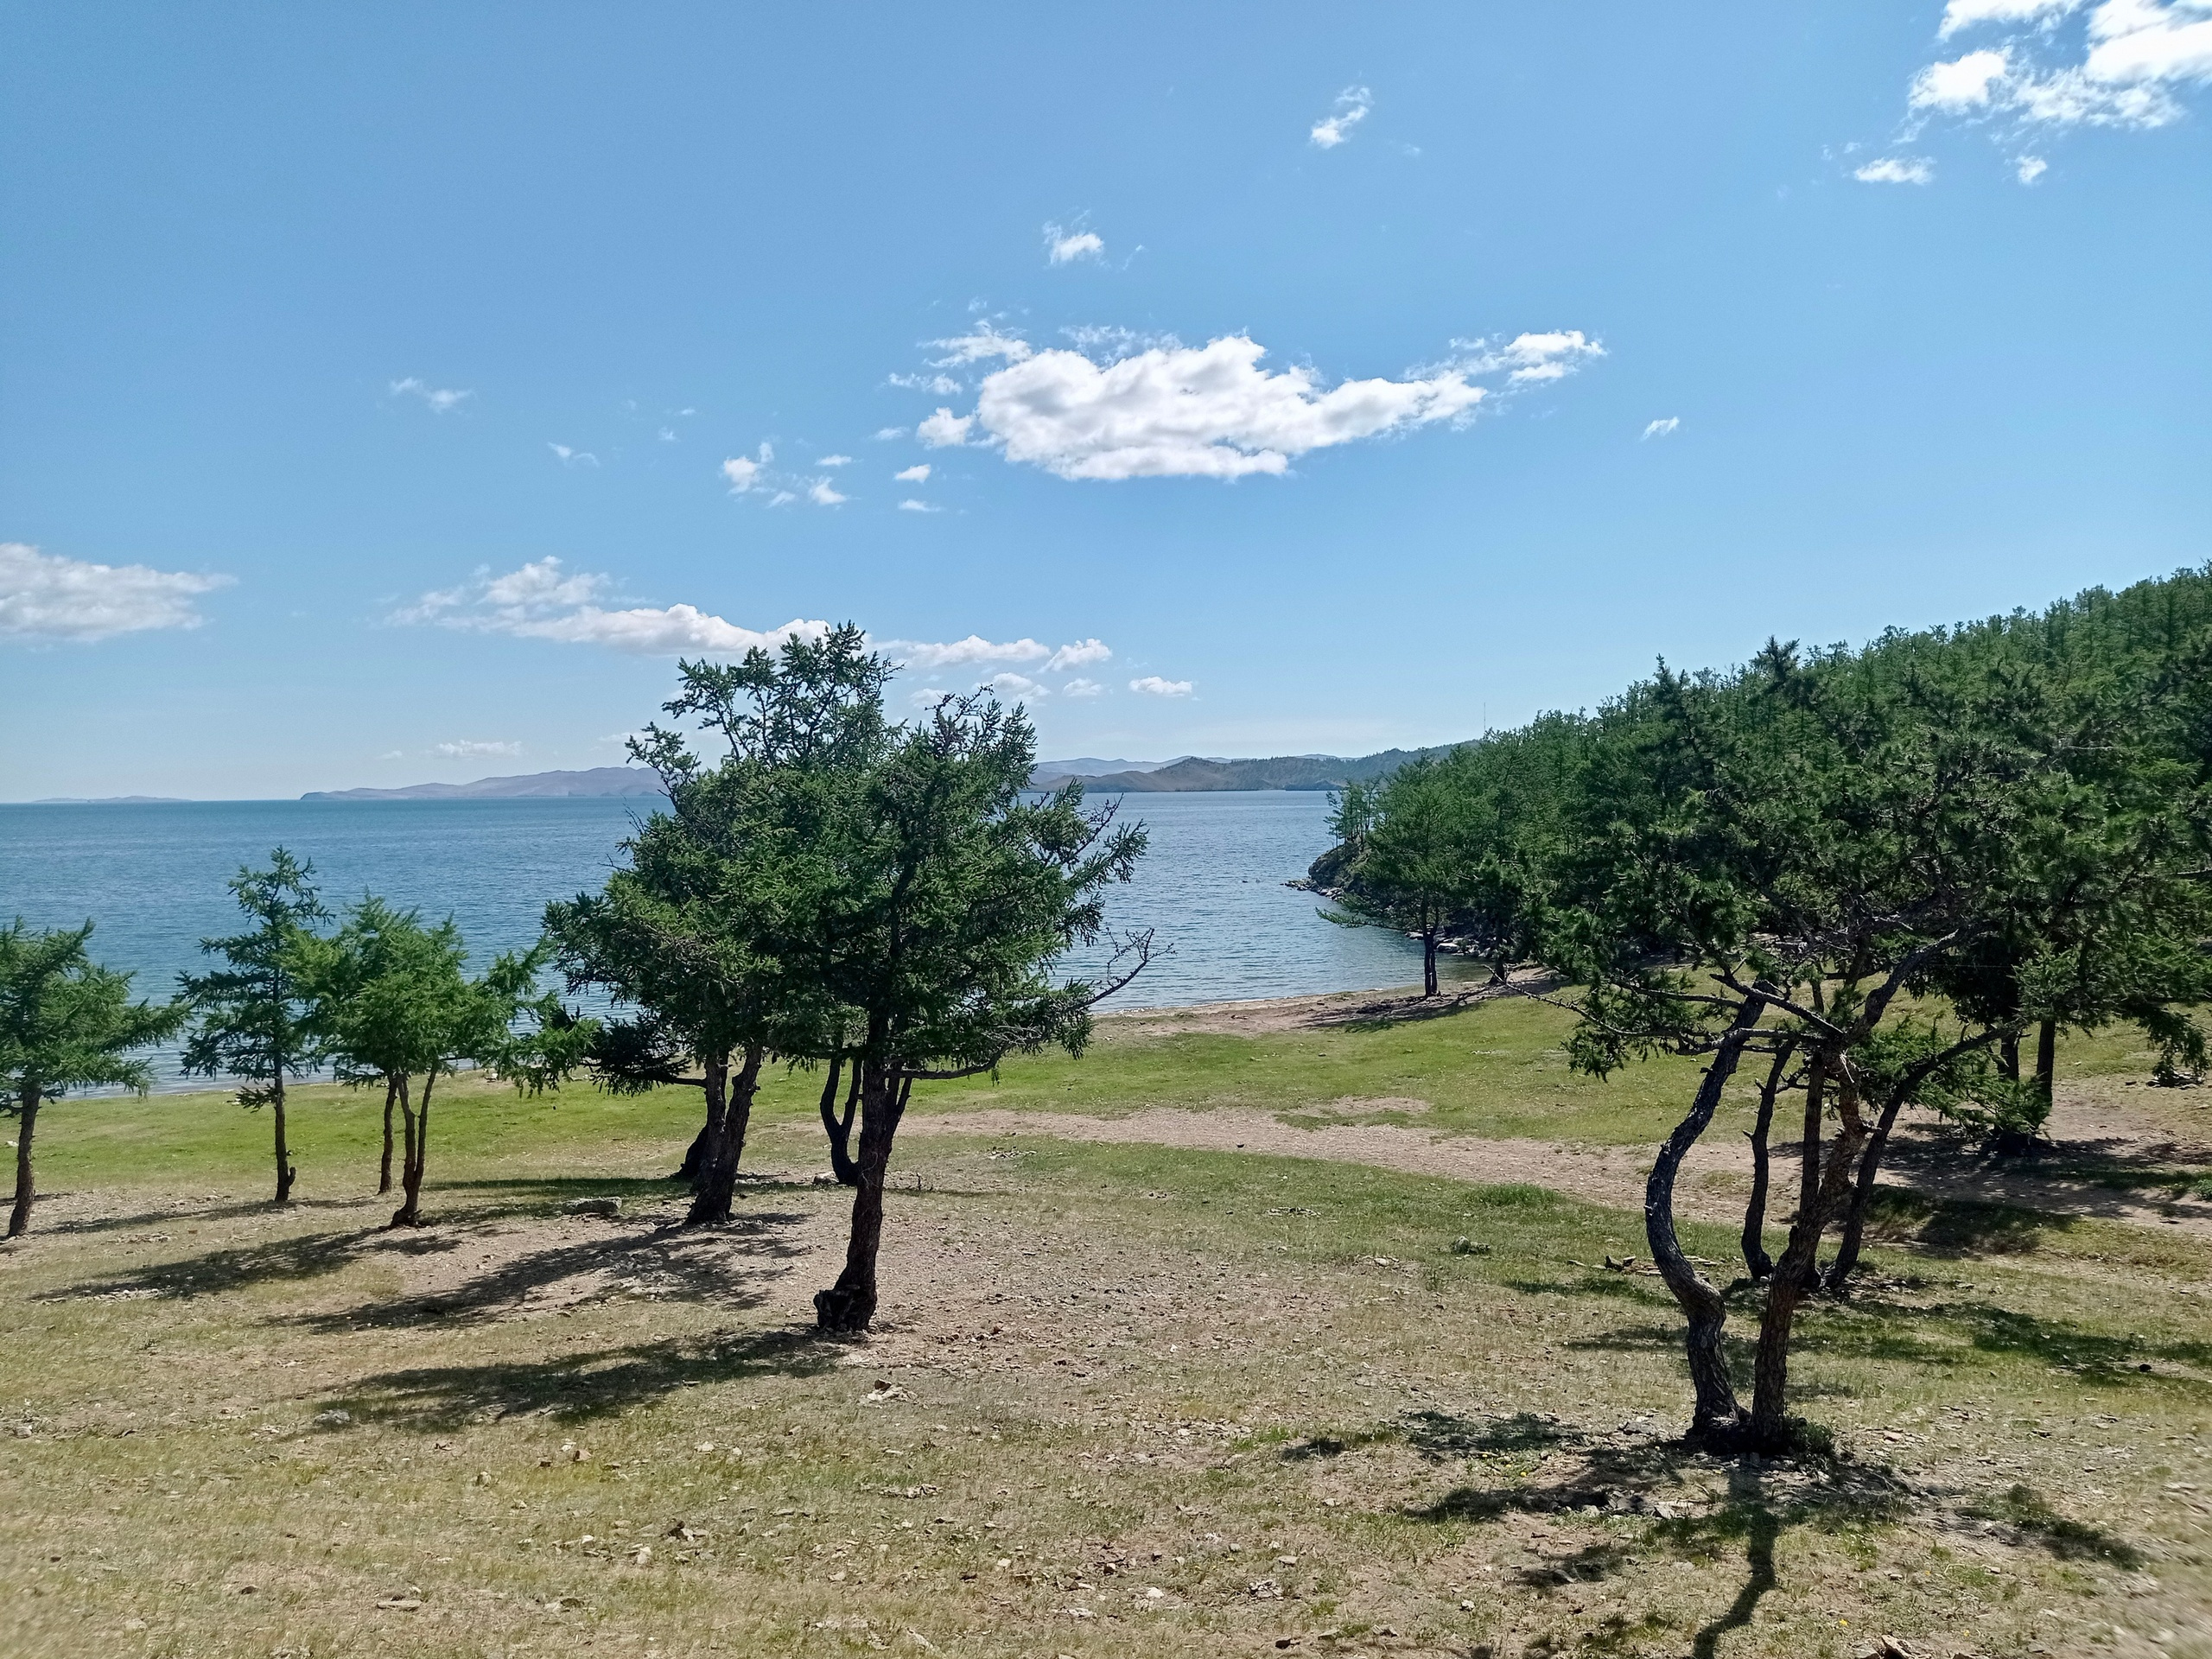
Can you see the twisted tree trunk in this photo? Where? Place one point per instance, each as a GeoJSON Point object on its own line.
{"type": "Point", "coordinates": [410, 1213]}
{"type": "Point", "coordinates": [1794, 1274]}
{"type": "Point", "coordinates": [1757, 1263]}
{"type": "Point", "coordinates": [1715, 1412]}
{"type": "Point", "coordinates": [19, 1218]}
{"type": "Point", "coordinates": [1862, 1195]}
{"type": "Point", "coordinates": [840, 1129]}
{"type": "Point", "coordinates": [729, 1112]}
{"type": "Point", "coordinates": [848, 1306]}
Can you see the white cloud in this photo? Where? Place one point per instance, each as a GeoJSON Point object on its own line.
{"type": "Point", "coordinates": [2029, 168]}
{"type": "Point", "coordinates": [1063, 245]}
{"type": "Point", "coordinates": [1153, 686]}
{"type": "Point", "coordinates": [1015, 685]}
{"type": "Point", "coordinates": [942, 385]}
{"type": "Point", "coordinates": [440, 399]}
{"type": "Point", "coordinates": [1209, 411]}
{"type": "Point", "coordinates": [541, 602]}
{"type": "Point", "coordinates": [782, 498]}
{"type": "Point", "coordinates": [1080, 688]}
{"type": "Point", "coordinates": [834, 460]}
{"type": "Point", "coordinates": [1964, 83]}
{"type": "Point", "coordinates": [944, 430]}
{"type": "Point", "coordinates": [1662, 429]}
{"type": "Point", "coordinates": [916, 653]}
{"type": "Point", "coordinates": [462, 748]}
{"type": "Point", "coordinates": [927, 697]}
{"type": "Point", "coordinates": [1351, 109]}
{"type": "Point", "coordinates": [666, 434]}
{"type": "Point", "coordinates": [917, 474]}
{"type": "Point", "coordinates": [884, 434]}
{"type": "Point", "coordinates": [985, 344]}
{"type": "Point", "coordinates": [393, 754]}
{"type": "Point", "coordinates": [1080, 655]}
{"type": "Point", "coordinates": [2111, 63]}
{"type": "Point", "coordinates": [45, 596]}
{"type": "Point", "coordinates": [1897, 169]}
{"type": "Point", "coordinates": [573, 457]}
{"type": "Point", "coordinates": [1539, 356]}
{"type": "Point", "coordinates": [909, 504]}
{"type": "Point", "coordinates": [823, 495]}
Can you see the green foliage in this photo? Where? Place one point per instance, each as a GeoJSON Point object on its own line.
{"type": "Point", "coordinates": [375, 989]}
{"type": "Point", "coordinates": [251, 1016]}
{"type": "Point", "coordinates": [67, 1023]}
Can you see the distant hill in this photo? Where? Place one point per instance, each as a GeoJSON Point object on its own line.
{"type": "Point", "coordinates": [1284, 772]}
{"type": "Point", "coordinates": [1087, 765]}
{"type": "Point", "coordinates": [109, 800]}
{"type": "Point", "coordinates": [600, 781]}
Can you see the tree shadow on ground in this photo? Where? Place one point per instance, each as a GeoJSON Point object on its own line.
{"type": "Point", "coordinates": [578, 1385]}
{"type": "Point", "coordinates": [1440, 1436]}
{"type": "Point", "coordinates": [175, 1214]}
{"type": "Point", "coordinates": [1614, 1475]}
{"type": "Point", "coordinates": [1388, 1013]}
{"type": "Point", "coordinates": [2029, 1517]}
{"type": "Point", "coordinates": [649, 1258]}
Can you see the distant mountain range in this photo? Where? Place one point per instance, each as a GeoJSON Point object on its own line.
{"type": "Point", "coordinates": [1314, 771]}
{"type": "Point", "coordinates": [598, 781]}
{"type": "Point", "coordinates": [108, 800]}
{"type": "Point", "coordinates": [1191, 772]}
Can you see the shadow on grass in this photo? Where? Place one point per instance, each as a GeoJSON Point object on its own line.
{"type": "Point", "coordinates": [2028, 1513]}
{"type": "Point", "coordinates": [177, 1214]}
{"type": "Point", "coordinates": [1959, 1226]}
{"type": "Point", "coordinates": [432, 1398]}
{"type": "Point", "coordinates": [1439, 1437]}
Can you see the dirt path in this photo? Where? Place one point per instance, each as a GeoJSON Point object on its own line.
{"type": "Point", "coordinates": [2094, 1132]}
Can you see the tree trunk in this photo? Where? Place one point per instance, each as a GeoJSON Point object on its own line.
{"type": "Point", "coordinates": [1715, 1412]}
{"type": "Point", "coordinates": [2008, 1058]}
{"type": "Point", "coordinates": [847, 1306]}
{"type": "Point", "coordinates": [1428, 962]}
{"type": "Point", "coordinates": [840, 1129]}
{"type": "Point", "coordinates": [384, 1172]}
{"type": "Point", "coordinates": [19, 1218]}
{"type": "Point", "coordinates": [1862, 1196]}
{"type": "Point", "coordinates": [729, 1111]}
{"type": "Point", "coordinates": [1757, 1263]}
{"type": "Point", "coordinates": [694, 1155]}
{"type": "Point", "coordinates": [285, 1173]}
{"type": "Point", "coordinates": [410, 1213]}
{"type": "Point", "coordinates": [2047, 1063]}
{"type": "Point", "coordinates": [1793, 1274]}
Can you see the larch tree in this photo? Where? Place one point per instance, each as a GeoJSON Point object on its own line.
{"type": "Point", "coordinates": [942, 891]}
{"type": "Point", "coordinates": [250, 1016]}
{"type": "Point", "coordinates": [66, 1022]}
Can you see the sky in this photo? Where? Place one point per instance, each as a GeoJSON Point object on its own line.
{"type": "Point", "coordinates": [394, 393]}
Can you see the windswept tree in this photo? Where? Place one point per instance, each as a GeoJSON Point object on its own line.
{"type": "Point", "coordinates": [369, 1003]}
{"type": "Point", "coordinates": [66, 1023]}
{"type": "Point", "coordinates": [700, 935]}
{"type": "Point", "coordinates": [945, 890]}
{"type": "Point", "coordinates": [250, 1016]}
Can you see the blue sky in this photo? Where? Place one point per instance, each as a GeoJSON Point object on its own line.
{"type": "Point", "coordinates": [388, 392]}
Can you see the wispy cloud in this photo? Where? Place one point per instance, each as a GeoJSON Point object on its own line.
{"type": "Point", "coordinates": [2028, 169]}
{"type": "Point", "coordinates": [2066, 63]}
{"type": "Point", "coordinates": [747, 472]}
{"type": "Point", "coordinates": [1079, 655]}
{"type": "Point", "coordinates": [1350, 110]}
{"type": "Point", "coordinates": [462, 749]}
{"type": "Point", "coordinates": [823, 494]}
{"type": "Point", "coordinates": [917, 474]}
{"type": "Point", "coordinates": [834, 460]}
{"type": "Point", "coordinates": [1063, 245]}
{"type": "Point", "coordinates": [1082, 688]}
{"type": "Point", "coordinates": [1896, 169]}
{"type": "Point", "coordinates": [45, 596]}
{"type": "Point", "coordinates": [910, 505]}
{"type": "Point", "coordinates": [1662, 429]}
{"type": "Point", "coordinates": [1167, 409]}
{"type": "Point", "coordinates": [573, 457]}
{"type": "Point", "coordinates": [441, 399]}
{"type": "Point", "coordinates": [541, 600]}
{"type": "Point", "coordinates": [1153, 686]}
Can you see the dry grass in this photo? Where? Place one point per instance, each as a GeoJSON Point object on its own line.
{"type": "Point", "coordinates": [1123, 1399]}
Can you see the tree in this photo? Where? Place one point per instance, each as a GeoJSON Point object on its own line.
{"type": "Point", "coordinates": [251, 1019]}
{"type": "Point", "coordinates": [369, 1006]}
{"type": "Point", "coordinates": [699, 935]}
{"type": "Point", "coordinates": [65, 1023]}
{"type": "Point", "coordinates": [1414, 855]}
{"type": "Point", "coordinates": [465, 1021]}
{"type": "Point", "coordinates": [944, 890]}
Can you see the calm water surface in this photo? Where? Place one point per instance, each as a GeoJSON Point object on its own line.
{"type": "Point", "coordinates": [152, 877]}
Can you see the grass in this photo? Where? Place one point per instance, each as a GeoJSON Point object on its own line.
{"type": "Point", "coordinates": [1270, 1389]}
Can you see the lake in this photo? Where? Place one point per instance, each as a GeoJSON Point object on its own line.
{"type": "Point", "coordinates": [151, 876]}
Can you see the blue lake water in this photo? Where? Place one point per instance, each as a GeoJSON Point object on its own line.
{"type": "Point", "coordinates": [152, 878]}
